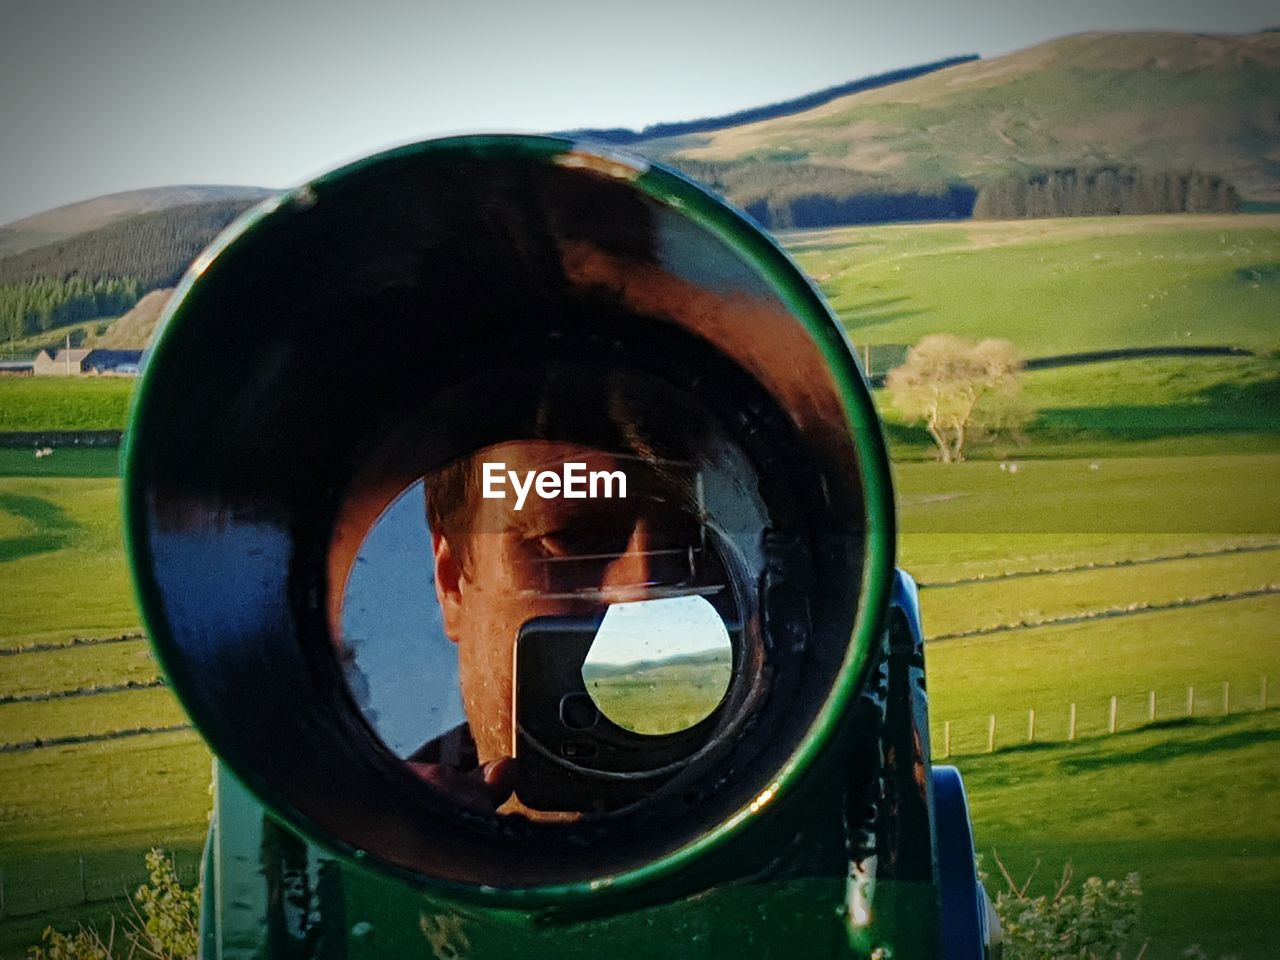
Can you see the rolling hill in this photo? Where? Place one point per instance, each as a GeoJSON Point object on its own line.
{"type": "Point", "coordinates": [1144, 101]}
{"type": "Point", "coordinates": [154, 248]}
{"type": "Point", "coordinates": [1094, 123]}
{"type": "Point", "coordinates": [622, 136]}
{"type": "Point", "coordinates": [72, 219]}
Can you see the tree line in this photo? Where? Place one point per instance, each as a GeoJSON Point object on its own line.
{"type": "Point", "coordinates": [784, 191]}
{"type": "Point", "coordinates": [34, 306]}
{"type": "Point", "coordinates": [1093, 191]}
{"type": "Point", "coordinates": [781, 193]}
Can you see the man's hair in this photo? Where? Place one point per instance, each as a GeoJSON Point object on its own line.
{"type": "Point", "coordinates": [450, 496]}
{"type": "Point", "coordinates": [622, 413]}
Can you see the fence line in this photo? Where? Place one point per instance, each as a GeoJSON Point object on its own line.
{"type": "Point", "coordinates": [79, 884]}
{"type": "Point", "coordinates": [1096, 565]}
{"type": "Point", "coordinates": [1110, 613]}
{"type": "Point", "coordinates": [92, 691]}
{"type": "Point", "coordinates": [45, 647]}
{"type": "Point", "coordinates": [1143, 705]}
{"type": "Point", "coordinates": [43, 743]}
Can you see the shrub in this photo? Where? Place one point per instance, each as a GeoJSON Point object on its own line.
{"type": "Point", "coordinates": [168, 914]}
{"type": "Point", "coordinates": [85, 944]}
{"type": "Point", "coordinates": [163, 923]}
{"type": "Point", "coordinates": [1099, 921]}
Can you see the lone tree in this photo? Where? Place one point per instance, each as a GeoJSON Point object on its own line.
{"type": "Point", "coordinates": [960, 390]}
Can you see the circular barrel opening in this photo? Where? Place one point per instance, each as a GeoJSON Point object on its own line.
{"type": "Point", "coordinates": [511, 513]}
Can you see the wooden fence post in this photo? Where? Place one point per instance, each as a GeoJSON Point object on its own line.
{"type": "Point", "coordinates": [1262, 692]}
{"type": "Point", "coordinates": [1226, 698]}
{"type": "Point", "coordinates": [1191, 701]}
{"type": "Point", "coordinates": [1071, 724]}
{"type": "Point", "coordinates": [1031, 725]}
{"type": "Point", "coordinates": [946, 739]}
{"type": "Point", "coordinates": [1111, 722]}
{"type": "Point", "coordinates": [84, 881]}
{"type": "Point", "coordinates": [991, 734]}
{"type": "Point", "coordinates": [1151, 706]}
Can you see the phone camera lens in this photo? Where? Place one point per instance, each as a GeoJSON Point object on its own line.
{"type": "Point", "coordinates": [578, 712]}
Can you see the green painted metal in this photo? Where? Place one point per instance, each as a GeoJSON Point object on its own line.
{"type": "Point", "coordinates": [797, 907]}
{"type": "Point", "coordinates": [376, 916]}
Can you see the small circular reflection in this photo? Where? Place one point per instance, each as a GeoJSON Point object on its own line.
{"type": "Point", "coordinates": [659, 666]}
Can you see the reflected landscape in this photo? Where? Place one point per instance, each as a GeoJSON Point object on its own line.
{"type": "Point", "coordinates": [659, 666]}
{"type": "Point", "coordinates": [537, 653]}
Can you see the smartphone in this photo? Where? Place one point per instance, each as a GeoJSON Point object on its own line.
{"type": "Point", "coordinates": [570, 755]}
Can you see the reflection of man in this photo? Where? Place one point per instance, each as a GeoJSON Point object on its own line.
{"type": "Point", "coordinates": [497, 567]}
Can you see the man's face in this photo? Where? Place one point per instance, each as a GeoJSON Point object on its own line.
{"type": "Point", "coordinates": [553, 556]}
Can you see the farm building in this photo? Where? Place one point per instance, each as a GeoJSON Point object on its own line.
{"type": "Point", "coordinates": [17, 368]}
{"type": "Point", "coordinates": [65, 363]}
{"type": "Point", "coordinates": [77, 361]}
{"type": "Point", "coordinates": [118, 362]}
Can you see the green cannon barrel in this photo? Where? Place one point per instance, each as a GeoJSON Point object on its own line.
{"type": "Point", "coordinates": [514, 522]}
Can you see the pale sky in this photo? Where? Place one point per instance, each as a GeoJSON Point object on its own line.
{"type": "Point", "coordinates": [101, 97]}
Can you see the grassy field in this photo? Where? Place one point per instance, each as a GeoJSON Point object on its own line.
{"type": "Point", "coordinates": [76, 667]}
{"type": "Point", "coordinates": [1036, 599]}
{"type": "Point", "coordinates": [1208, 495]}
{"type": "Point", "coordinates": [68, 717]}
{"type": "Point", "coordinates": [73, 403]}
{"type": "Point", "coordinates": [1048, 668]}
{"type": "Point", "coordinates": [64, 571]}
{"type": "Point", "coordinates": [1140, 407]}
{"type": "Point", "coordinates": [1192, 807]}
{"type": "Point", "coordinates": [1111, 804]}
{"type": "Point", "coordinates": [660, 698]}
{"type": "Point", "coordinates": [94, 462]}
{"type": "Point", "coordinates": [1116, 503]}
{"type": "Point", "coordinates": [109, 802]}
{"type": "Point", "coordinates": [1059, 286]}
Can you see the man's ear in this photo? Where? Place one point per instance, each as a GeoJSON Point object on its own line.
{"type": "Point", "coordinates": [448, 584]}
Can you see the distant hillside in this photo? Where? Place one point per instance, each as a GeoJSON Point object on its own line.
{"type": "Point", "coordinates": [76, 218]}
{"type": "Point", "coordinates": [1090, 124]}
{"type": "Point", "coordinates": [152, 248]}
{"type": "Point", "coordinates": [622, 136]}
{"type": "Point", "coordinates": [1137, 104]}
{"type": "Point", "coordinates": [719, 657]}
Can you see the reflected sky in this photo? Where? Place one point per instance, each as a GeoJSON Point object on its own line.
{"type": "Point", "coordinates": [658, 630]}
{"type": "Point", "coordinates": [402, 670]}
